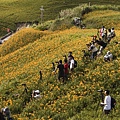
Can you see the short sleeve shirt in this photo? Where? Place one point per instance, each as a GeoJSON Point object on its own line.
{"type": "Point", "coordinates": [107, 101]}
{"type": "Point", "coordinates": [61, 69]}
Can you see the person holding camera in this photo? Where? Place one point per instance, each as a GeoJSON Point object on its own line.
{"type": "Point", "coordinates": [107, 102]}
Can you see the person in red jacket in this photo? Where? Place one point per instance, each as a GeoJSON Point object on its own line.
{"type": "Point", "coordinates": [66, 69]}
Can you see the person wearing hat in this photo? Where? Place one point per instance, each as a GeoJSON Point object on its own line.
{"type": "Point", "coordinates": [36, 94]}
{"type": "Point", "coordinates": [108, 56]}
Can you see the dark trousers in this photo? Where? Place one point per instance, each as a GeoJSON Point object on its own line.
{"type": "Point", "coordinates": [107, 111]}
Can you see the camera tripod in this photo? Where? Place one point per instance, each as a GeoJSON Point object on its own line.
{"type": "Point", "coordinates": [101, 98]}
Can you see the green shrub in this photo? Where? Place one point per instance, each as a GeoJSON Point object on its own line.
{"type": "Point", "coordinates": [45, 26]}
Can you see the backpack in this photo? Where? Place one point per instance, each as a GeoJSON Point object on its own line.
{"type": "Point", "coordinates": [113, 103]}
{"type": "Point", "coordinates": [75, 63]}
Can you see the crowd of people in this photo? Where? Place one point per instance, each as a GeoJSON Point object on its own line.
{"type": "Point", "coordinates": [94, 49]}
{"type": "Point", "coordinates": [64, 69]}
{"type": "Point", "coordinates": [99, 43]}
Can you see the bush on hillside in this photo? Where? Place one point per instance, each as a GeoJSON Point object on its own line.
{"type": "Point", "coordinates": [61, 24]}
{"type": "Point", "coordinates": [86, 11]}
{"type": "Point", "coordinates": [45, 26]}
{"type": "Point", "coordinates": [64, 21]}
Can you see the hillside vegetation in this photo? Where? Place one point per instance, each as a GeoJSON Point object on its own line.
{"type": "Point", "coordinates": [30, 51]}
{"type": "Point", "coordinates": [14, 11]}
{"type": "Point", "coordinates": [78, 97]}
{"type": "Point", "coordinates": [93, 16]}
{"type": "Point", "coordinates": [20, 39]}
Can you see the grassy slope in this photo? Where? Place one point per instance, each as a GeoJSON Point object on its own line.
{"type": "Point", "coordinates": [22, 65]}
{"type": "Point", "coordinates": [108, 18]}
{"type": "Point", "coordinates": [59, 101]}
{"type": "Point", "coordinates": [20, 39]}
{"type": "Point", "coordinates": [29, 10]}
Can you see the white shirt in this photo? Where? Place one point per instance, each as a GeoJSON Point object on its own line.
{"type": "Point", "coordinates": [103, 31]}
{"type": "Point", "coordinates": [71, 64]}
{"type": "Point", "coordinates": [93, 48]}
{"type": "Point", "coordinates": [107, 102]}
{"type": "Point", "coordinates": [109, 34]}
{"type": "Point", "coordinates": [112, 31]}
{"type": "Point", "coordinates": [37, 96]}
{"type": "Point", "coordinates": [110, 56]}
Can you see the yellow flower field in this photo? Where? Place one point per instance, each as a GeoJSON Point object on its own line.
{"type": "Point", "coordinates": [59, 101]}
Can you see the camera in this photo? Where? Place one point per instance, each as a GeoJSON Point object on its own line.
{"type": "Point", "coordinates": [100, 90]}
{"type": "Point", "coordinates": [24, 84]}
{"type": "Point", "coordinates": [64, 55]}
{"type": "Point", "coordinates": [57, 62]}
{"type": "Point", "coordinates": [53, 63]}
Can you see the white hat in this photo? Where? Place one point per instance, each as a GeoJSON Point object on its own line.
{"type": "Point", "coordinates": [108, 52]}
{"type": "Point", "coordinates": [37, 91]}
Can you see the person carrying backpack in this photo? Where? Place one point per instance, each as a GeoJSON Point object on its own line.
{"type": "Point", "coordinates": [113, 103]}
{"type": "Point", "coordinates": [70, 56]}
{"type": "Point", "coordinates": [72, 63]}
{"type": "Point", "coordinates": [107, 102]}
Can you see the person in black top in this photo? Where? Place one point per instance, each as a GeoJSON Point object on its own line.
{"type": "Point", "coordinates": [102, 45]}
{"type": "Point", "coordinates": [1, 115]}
{"type": "Point", "coordinates": [60, 66]}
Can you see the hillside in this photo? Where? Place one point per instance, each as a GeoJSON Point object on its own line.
{"type": "Point", "coordinates": [31, 50]}
{"type": "Point", "coordinates": [15, 11]}
{"type": "Point", "coordinates": [78, 97]}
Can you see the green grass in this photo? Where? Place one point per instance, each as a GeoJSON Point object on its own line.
{"type": "Point", "coordinates": [29, 51]}
{"type": "Point", "coordinates": [12, 11]}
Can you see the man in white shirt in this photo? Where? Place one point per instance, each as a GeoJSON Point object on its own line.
{"type": "Point", "coordinates": [107, 102]}
{"type": "Point", "coordinates": [72, 64]}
